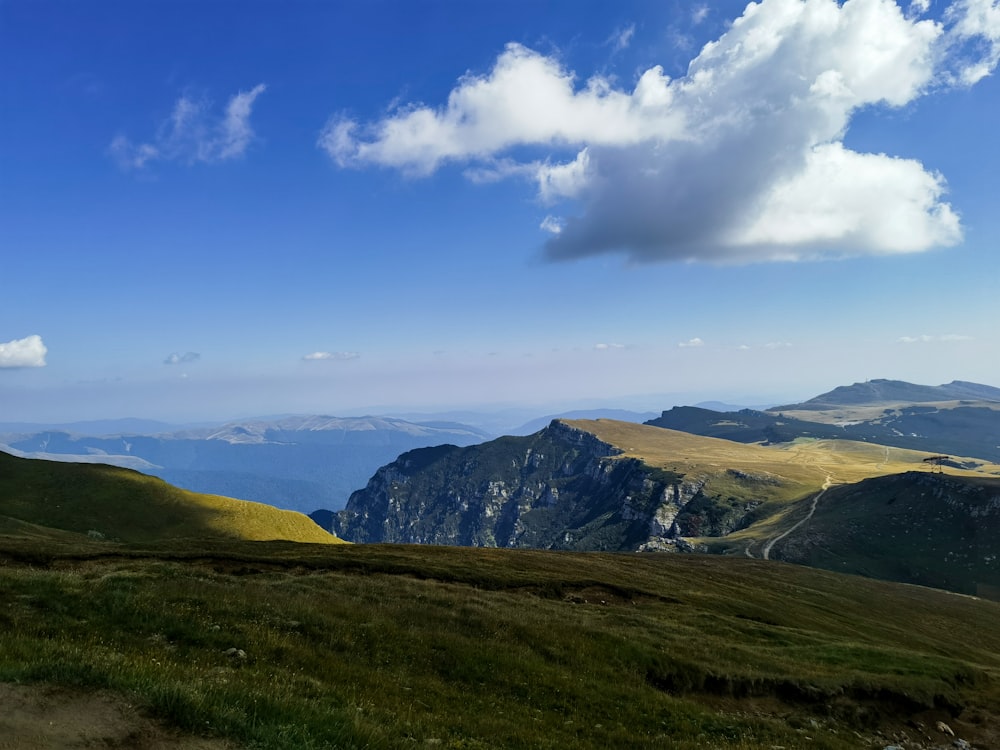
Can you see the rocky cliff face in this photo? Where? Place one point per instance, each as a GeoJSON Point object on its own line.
{"type": "Point", "coordinates": [560, 488]}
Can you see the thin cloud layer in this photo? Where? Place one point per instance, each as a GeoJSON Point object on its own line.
{"type": "Point", "coordinates": [27, 352]}
{"type": "Point", "coordinates": [925, 339]}
{"type": "Point", "coordinates": [181, 358]}
{"type": "Point", "coordinates": [741, 160]}
{"type": "Point", "coordinates": [192, 134]}
{"type": "Point", "coordinates": [331, 356]}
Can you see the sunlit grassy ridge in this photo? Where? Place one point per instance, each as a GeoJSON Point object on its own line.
{"type": "Point", "coordinates": [385, 647]}
{"type": "Point", "coordinates": [119, 504]}
{"type": "Point", "coordinates": [803, 465]}
{"type": "Point", "coordinates": [798, 469]}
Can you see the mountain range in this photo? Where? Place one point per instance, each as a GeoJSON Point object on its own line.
{"type": "Point", "coordinates": [251, 624]}
{"type": "Point", "coordinates": [298, 463]}
{"type": "Point", "coordinates": [695, 479]}
{"type": "Point", "coordinates": [959, 418]}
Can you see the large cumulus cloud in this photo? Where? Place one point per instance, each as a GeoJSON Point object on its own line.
{"type": "Point", "coordinates": [740, 160]}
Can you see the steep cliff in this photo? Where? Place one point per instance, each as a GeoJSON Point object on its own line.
{"type": "Point", "coordinates": [560, 488]}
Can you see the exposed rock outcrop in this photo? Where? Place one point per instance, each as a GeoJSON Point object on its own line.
{"type": "Point", "coordinates": [561, 488]}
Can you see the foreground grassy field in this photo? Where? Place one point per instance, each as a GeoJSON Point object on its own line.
{"type": "Point", "coordinates": [276, 645]}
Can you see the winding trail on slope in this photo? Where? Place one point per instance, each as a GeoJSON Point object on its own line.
{"type": "Point", "coordinates": [766, 554]}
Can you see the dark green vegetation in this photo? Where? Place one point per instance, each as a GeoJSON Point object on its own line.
{"type": "Point", "coordinates": [386, 647]}
{"type": "Point", "coordinates": [744, 426]}
{"type": "Point", "coordinates": [961, 419]}
{"type": "Point", "coordinates": [931, 529]}
{"type": "Point", "coordinates": [61, 500]}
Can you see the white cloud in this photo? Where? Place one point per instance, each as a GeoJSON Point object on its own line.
{"type": "Point", "coordinates": [563, 180]}
{"type": "Point", "coordinates": [181, 358]}
{"type": "Point", "coordinates": [551, 224]}
{"type": "Point", "coordinates": [337, 356]}
{"type": "Point", "coordinates": [777, 345]}
{"type": "Point", "coordinates": [622, 38]}
{"type": "Point", "coordinates": [740, 160]}
{"type": "Point", "coordinates": [191, 134]}
{"type": "Point", "coordinates": [27, 352]}
{"type": "Point", "coordinates": [608, 347]}
{"type": "Point", "coordinates": [698, 14]}
{"type": "Point", "coordinates": [691, 343]}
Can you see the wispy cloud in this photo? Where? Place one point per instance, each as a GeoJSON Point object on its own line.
{"type": "Point", "coordinates": [778, 345]}
{"type": "Point", "coordinates": [181, 358]}
{"type": "Point", "coordinates": [740, 160]}
{"type": "Point", "coordinates": [193, 134]}
{"type": "Point", "coordinates": [691, 343]}
{"type": "Point", "coordinates": [327, 356]}
{"type": "Point", "coordinates": [621, 38]}
{"type": "Point", "coordinates": [925, 339]}
{"type": "Point", "coordinates": [552, 225]}
{"type": "Point", "coordinates": [608, 347]}
{"type": "Point", "coordinates": [27, 352]}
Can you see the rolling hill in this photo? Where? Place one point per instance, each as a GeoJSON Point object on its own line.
{"type": "Point", "coordinates": [930, 529]}
{"type": "Point", "coordinates": [52, 500]}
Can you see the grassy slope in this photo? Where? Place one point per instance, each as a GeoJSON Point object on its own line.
{"type": "Point", "coordinates": [922, 528]}
{"type": "Point", "coordinates": [800, 468]}
{"type": "Point", "coordinates": [126, 505]}
{"type": "Point", "coordinates": [385, 647]}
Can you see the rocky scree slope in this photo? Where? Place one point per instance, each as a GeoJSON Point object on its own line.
{"type": "Point", "coordinates": [560, 488]}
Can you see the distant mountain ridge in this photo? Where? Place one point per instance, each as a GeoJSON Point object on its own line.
{"type": "Point", "coordinates": [959, 418]}
{"type": "Point", "coordinates": [894, 392]}
{"type": "Point", "coordinates": [299, 463]}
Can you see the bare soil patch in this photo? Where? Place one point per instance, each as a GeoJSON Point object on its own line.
{"type": "Point", "coordinates": [40, 717]}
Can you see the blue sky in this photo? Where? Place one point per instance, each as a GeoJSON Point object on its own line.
{"type": "Point", "coordinates": [222, 209]}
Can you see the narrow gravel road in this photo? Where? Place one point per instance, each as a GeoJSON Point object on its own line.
{"type": "Point", "coordinates": [812, 509]}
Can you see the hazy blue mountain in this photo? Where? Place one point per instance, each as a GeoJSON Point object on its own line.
{"type": "Point", "coordinates": [300, 463]}
{"type": "Point", "coordinates": [96, 427]}
{"type": "Point", "coordinates": [957, 419]}
{"type": "Point", "coordinates": [896, 392]}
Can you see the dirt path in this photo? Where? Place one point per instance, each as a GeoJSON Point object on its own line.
{"type": "Point", "coordinates": [40, 717]}
{"type": "Point", "coordinates": [766, 554]}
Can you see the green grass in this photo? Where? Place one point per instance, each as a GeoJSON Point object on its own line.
{"type": "Point", "coordinates": [395, 646]}
{"type": "Point", "coordinates": [119, 504]}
